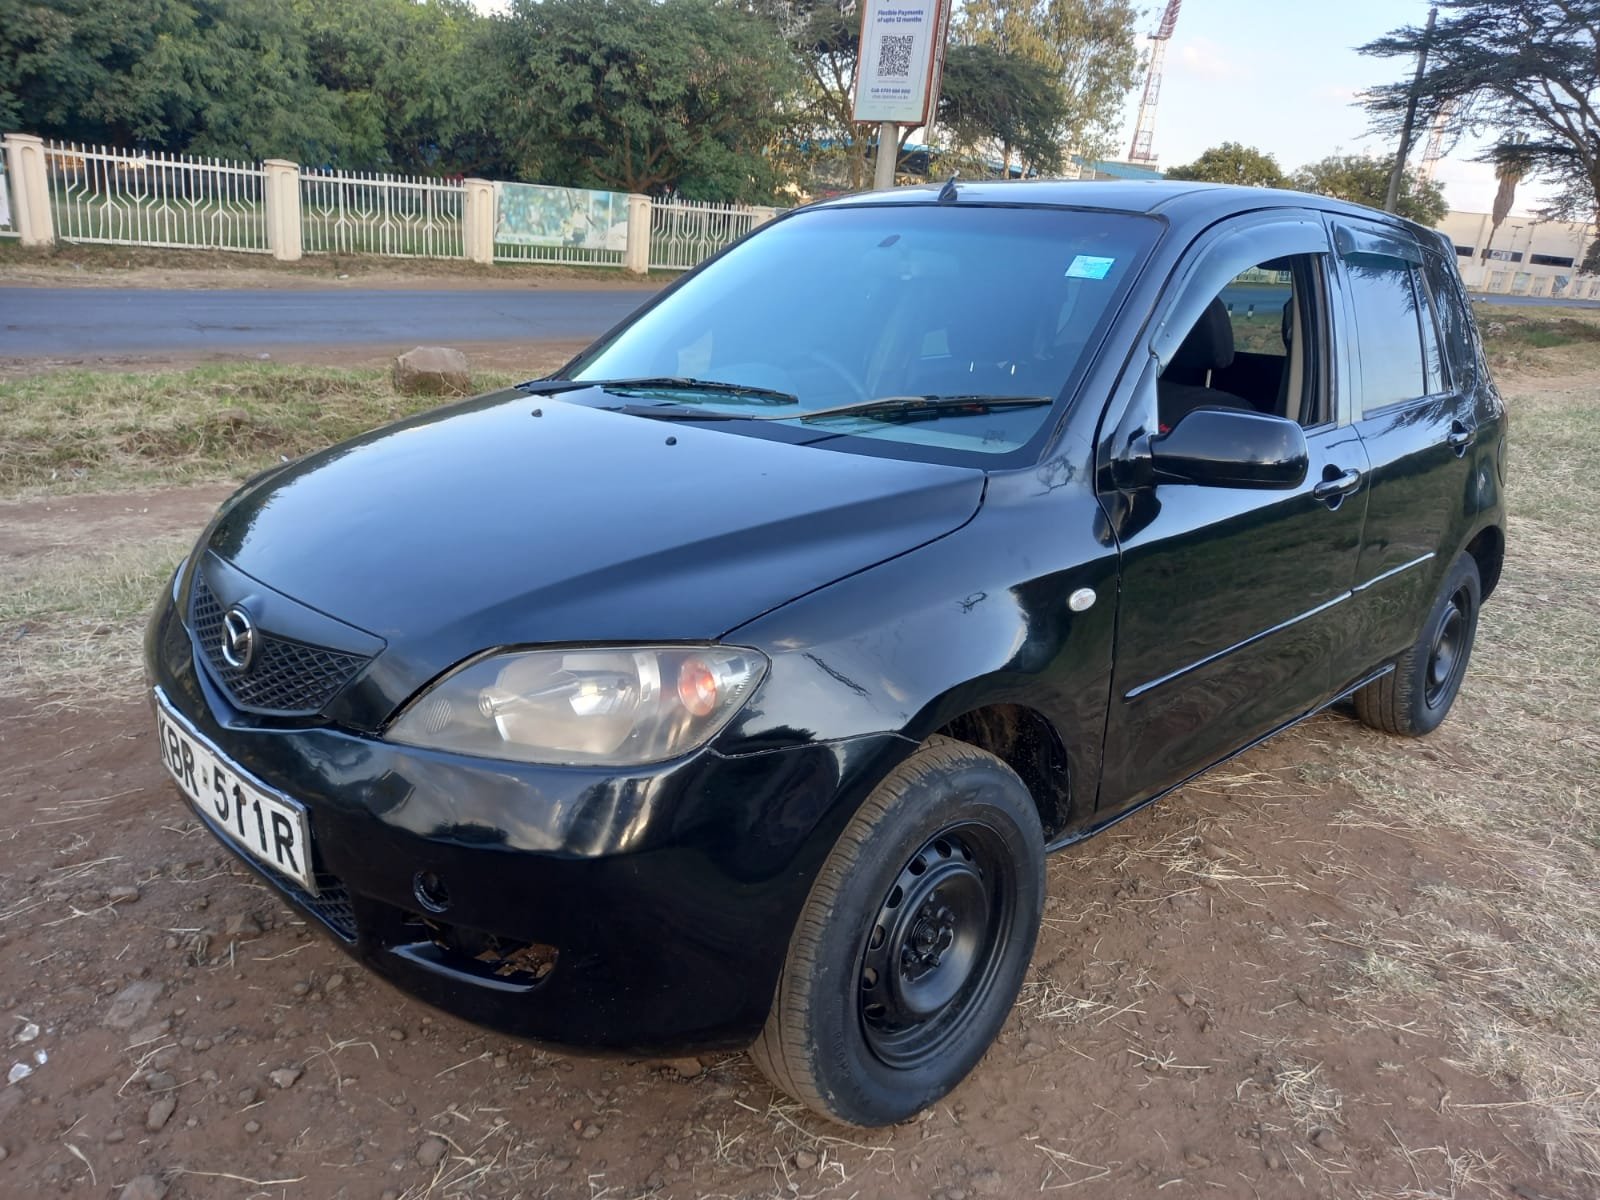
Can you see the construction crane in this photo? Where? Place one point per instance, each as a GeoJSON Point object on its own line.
{"type": "Point", "coordinates": [1435, 148]}
{"type": "Point", "coordinates": [1142, 149]}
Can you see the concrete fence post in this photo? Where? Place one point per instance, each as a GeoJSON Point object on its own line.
{"type": "Point", "coordinates": [636, 258]}
{"type": "Point", "coordinates": [477, 221]}
{"type": "Point", "coordinates": [764, 213]}
{"type": "Point", "coordinates": [30, 189]}
{"type": "Point", "coordinates": [280, 187]}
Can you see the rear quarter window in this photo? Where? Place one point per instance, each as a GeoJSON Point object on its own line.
{"type": "Point", "coordinates": [1455, 321]}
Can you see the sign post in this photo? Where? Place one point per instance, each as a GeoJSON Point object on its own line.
{"type": "Point", "coordinates": [898, 70]}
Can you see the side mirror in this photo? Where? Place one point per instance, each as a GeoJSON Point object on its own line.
{"type": "Point", "coordinates": [1228, 447]}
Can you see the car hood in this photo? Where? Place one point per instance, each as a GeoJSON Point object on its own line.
{"type": "Point", "coordinates": [481, 525]}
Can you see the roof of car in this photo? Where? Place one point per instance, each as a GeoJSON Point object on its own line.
{"type": "Point", "coordinates": [1170, 197]}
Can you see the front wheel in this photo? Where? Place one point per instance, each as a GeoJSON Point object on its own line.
{"type": "Point", "coordinates": [1416, 696]}
{"type": "Point", "coordinates": [913, 943]}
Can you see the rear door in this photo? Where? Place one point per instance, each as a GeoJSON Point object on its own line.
{"type": "Point", "coordinates": [1232, 610]}
{"type": "Point", "coordinates": [1416, 418]}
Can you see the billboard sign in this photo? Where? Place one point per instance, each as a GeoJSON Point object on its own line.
{"type": "Point", "coordinates": [902, 56]}
{"type": "Point", "coordinates": [531, 214]}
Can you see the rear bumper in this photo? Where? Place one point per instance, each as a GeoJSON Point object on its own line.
{"type": "Point", "coordinates": [667, 895]}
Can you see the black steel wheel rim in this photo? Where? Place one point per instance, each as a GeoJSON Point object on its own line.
{"type": "Point", "coordinates": [1447, 653]}
{"type": "Point", "coordinates": [935, 944]}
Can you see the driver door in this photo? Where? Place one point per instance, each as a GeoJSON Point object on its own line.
{"type": "Point", "coordinates": [1234, 600]}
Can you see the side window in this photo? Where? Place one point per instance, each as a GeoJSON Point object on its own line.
{"type": "Point", "coordinates": [1256, 346]}
{"type": "Point", "coordinates": [1434, 374]}
{"type": "Point", "coordinates": [1259, 302]}
{"type": "Point", "coordinates": [1386, 301]}
{"type": "Point", "coordinates": [1455, 324]}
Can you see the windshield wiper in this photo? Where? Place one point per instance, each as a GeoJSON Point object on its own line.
{"type": "Point", "coordinates": [664, 383]}
{"type": "Point", "coordinates": [918, 408]}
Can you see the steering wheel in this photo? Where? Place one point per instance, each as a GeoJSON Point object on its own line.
{"type": "Point", "coordinates": [839, 371]}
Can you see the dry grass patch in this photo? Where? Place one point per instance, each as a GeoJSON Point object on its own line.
{"type": "Point", "coordinates": [1510, 968]}
{"type": "Point", "coordinates": [72, 624]}
{"type": "Point", "coordinates": [77, 431]}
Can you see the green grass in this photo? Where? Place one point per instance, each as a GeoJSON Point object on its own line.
{"type": "Point", "coordinates": [77, 431]}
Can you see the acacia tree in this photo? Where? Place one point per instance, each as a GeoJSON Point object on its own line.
{"type": "Point", "coordinates": [1089, 46]}
{"type": "Point", "coordinates": [1527, 70]}
{"type": "Point", "coordinates": [993, 96]}
{"type": "Point", "coordinates": [1363, 180]}
{"type": "Point", "coordinates": [824, 36]}
{"type": "Point", "coordinates": [1232, 162]}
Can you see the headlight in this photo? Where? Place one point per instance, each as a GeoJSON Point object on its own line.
{"type": "Point", "coordinates": [619, 707]}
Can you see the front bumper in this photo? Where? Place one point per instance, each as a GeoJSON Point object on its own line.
{"type": "Point", "coordinates": [667, 895]}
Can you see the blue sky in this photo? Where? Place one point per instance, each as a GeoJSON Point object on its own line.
{"type": "Point", "coordinates": [1283, 75]}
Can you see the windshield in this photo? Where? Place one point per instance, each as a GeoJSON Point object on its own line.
{"type": "Point", "coordinates": [848, 306]}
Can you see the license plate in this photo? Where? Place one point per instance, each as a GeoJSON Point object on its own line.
{"type": "Point", "coordinates": [268, 827]}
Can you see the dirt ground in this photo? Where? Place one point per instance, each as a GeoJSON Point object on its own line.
{"type": "Point", "coordinates": [1198, 1020]}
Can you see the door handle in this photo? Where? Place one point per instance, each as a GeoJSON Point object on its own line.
{"type": "Point", "coordinates": [1339, 486]}
{"type": "Point", "coordinates": [1460, 437]}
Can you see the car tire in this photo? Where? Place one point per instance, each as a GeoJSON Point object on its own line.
{"type": "Point", "coordinates": [913, 943]}
{"type": "Point", "coordinates": [1415, 697]}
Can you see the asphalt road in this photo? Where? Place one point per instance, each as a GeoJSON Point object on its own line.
{"type": "Point", "coordinates": [70, 321]}
{"type": "Point", "coordinates": [49, 321]}
{"type": "Point", "coordinates": [1530, 301]}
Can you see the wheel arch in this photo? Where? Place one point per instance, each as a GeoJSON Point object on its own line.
{"type": "Point", "coordinates": [1028, 742]}
{"type": "Point", "coordinates": [1488, 550]}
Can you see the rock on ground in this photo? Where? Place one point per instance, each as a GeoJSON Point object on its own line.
{"type": "Point", "coordinates": [132, 1004]}
{"type": "Point", "coordinates": [432, 371]}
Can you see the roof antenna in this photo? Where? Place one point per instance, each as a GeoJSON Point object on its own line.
{"type": "Point", "coordinates": [947, 194]}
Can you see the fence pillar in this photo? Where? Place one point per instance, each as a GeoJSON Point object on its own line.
{"type": "Point", "coordinates": [477, 221]}
{"type": "Point", "coordinates": [280, 187]}
{"type": "Point", "coordinates": [636, 258]}
{"type": "Point", "coordinates": [764, 213]}
{"type": "Point", "coordinates": [30, 189]}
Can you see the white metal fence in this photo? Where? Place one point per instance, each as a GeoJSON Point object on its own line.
{"type": "Point", "coordinates": [402, 216]}
{"type": "Point", "coordinates": [561, 256]}
{"type": "Point", "coordinates": [98, 194]}
{"type": "Point", "coordinates": [685, 233]}
{"type": "Point", "coordinates": [60, 191]}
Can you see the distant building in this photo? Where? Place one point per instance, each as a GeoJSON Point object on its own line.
{"type": "Point", "coordinates": [1525, 256]}
{"type": "Point", "coordinates": [1079, 167]}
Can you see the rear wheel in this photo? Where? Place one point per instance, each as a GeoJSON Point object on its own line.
{"type": "Point", "coordinates": [913, 943]}
{"type": "Point", "coordinates": [1416, 696]}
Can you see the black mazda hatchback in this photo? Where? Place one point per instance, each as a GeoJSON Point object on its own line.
{"type": "Point", "coordinates": [729, 687]}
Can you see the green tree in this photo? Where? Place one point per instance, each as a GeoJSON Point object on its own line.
{"type": "Point", "coordinates": [824, 38]}
{"type": "Point", "coordinates": [675, 96]}
{"type": "Point", "coordinates": [1090, 46]}
{"type": "Point", "coordinates": [994, 96]}
{"type": "Point", "coordinates": [1529, 70]}
{"type": "Point", "coordinates": [413, 81]}
{"type": "Point", "coordinates": [1232, 162]}
{"type": "Point", "coordinates": [1364, 180]}
{"type": "Point", "coordinates": [213, 76]}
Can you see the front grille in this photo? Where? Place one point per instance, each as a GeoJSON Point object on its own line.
{"type": "Point", "coordinates": [287, 678]}
{"type": "Point", "coordinates": [331, 905]}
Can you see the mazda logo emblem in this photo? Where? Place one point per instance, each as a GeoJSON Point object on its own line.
{"type": "Point", "coordinates": [238, 639]}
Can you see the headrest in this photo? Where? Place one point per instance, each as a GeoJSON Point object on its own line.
{"type": "Point", "coordinates": [1209, 345]}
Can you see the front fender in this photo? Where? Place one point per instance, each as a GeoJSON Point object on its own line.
{"type": "Point", "coordinates": [977, 619]}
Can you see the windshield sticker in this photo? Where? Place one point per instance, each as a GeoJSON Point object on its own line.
{"type": "Point", "coordinates": [1087, 266]}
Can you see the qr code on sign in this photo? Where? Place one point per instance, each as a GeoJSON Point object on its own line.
{"type": "Point", "coordinates": [894, 56]}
